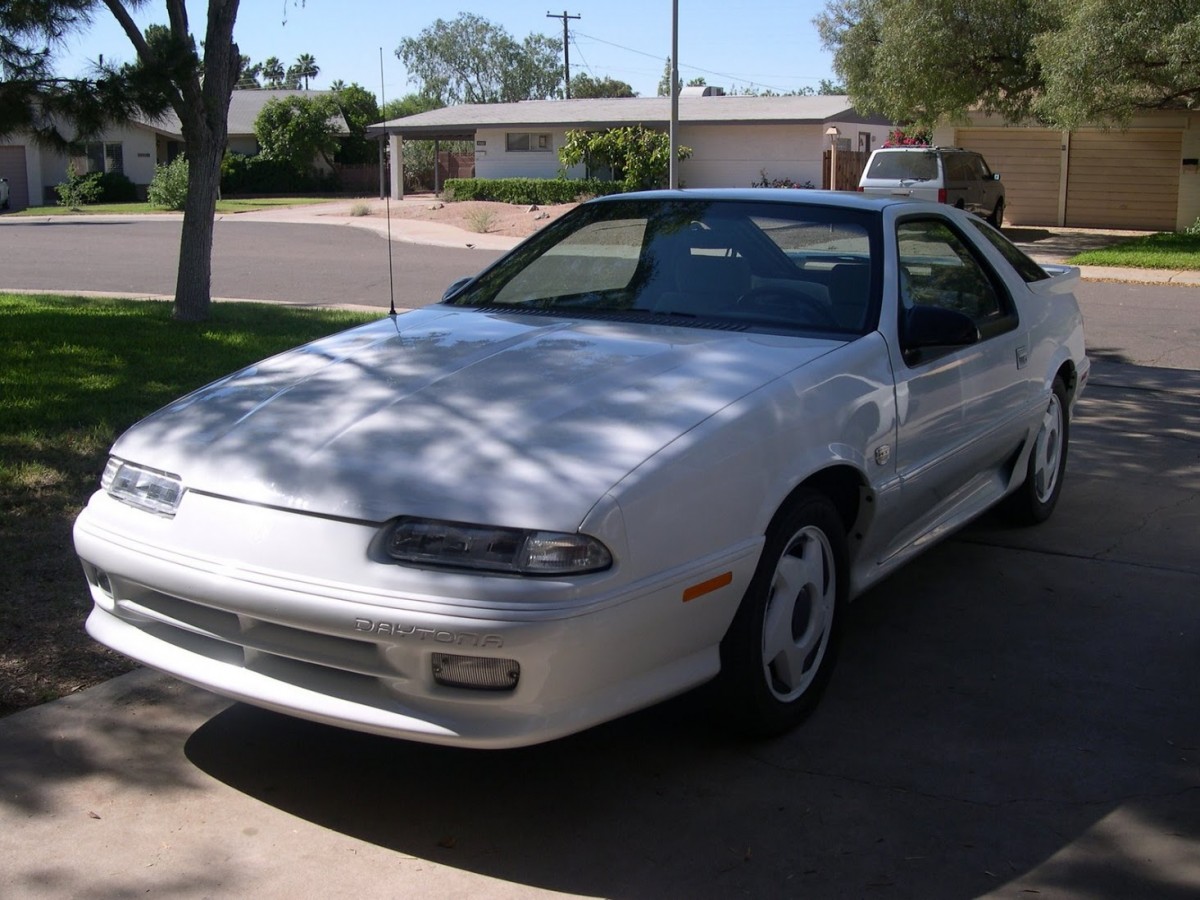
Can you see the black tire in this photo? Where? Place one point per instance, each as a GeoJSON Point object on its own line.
{"type": "Point", "coordinates": [780, 650]}
{"type": "Point", "coordinates": [1034, 501]}
{"type": "Point", "coordinates": [997, 216]}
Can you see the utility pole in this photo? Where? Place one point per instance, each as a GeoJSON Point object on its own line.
{"type": "Point", "coordinates": [673, 125]}
{"type": "Point", "coordinates": [566, 50]}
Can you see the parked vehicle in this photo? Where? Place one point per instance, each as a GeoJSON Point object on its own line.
{"type": "Point", "coordinates": [3, 193]}
{"type": "Point", "coordinates": [663, 442]}
{"type": "Point", "coordinates": [960, 178]}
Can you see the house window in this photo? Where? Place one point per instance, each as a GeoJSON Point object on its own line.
{"type": "Point", "coordinates": [525, 141]}
{"type": "Point", "coordinates": [99, 156]}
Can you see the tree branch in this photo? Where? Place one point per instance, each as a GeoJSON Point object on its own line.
{"type": "Point", "coordinates": [121, 14]}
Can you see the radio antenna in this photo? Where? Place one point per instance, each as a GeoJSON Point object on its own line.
{"type": "Point", "coordinates": [387, 199]}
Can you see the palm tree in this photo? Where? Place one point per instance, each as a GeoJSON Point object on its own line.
{"type": "Point", "coordinates": [306, 67]}
{"type": "Point", "coordinates": [338, 85]}
{"type": "Point", "coordinates": [272, 71]}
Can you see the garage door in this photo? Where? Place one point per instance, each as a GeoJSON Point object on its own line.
{"type": "Point", "coordinates": [1124, 179]}
{"type": "Point", "coordinates": [12, 167]}
{"type": "Point", "coordinates": [1029, 163]}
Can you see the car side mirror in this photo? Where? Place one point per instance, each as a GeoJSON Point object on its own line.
{"type": "Point", "coordinates": [995, 176]}
{"type": "Point", "coordinates": [928, 329]}
{"type": "Point", "coordinates": [456, 286]}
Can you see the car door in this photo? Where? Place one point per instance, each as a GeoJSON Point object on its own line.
{"type": "Point", "coordinates": [969, 184]}
{"type": "Point", "coordinates": [962, 408]}
{"type": "Point", "coordinates": [989, 187]}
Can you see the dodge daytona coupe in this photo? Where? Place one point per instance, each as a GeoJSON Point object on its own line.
{"type": "Point", "coordinates": [661, 443]}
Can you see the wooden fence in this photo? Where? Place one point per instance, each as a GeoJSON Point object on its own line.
{"type": "Point", "coordinates": [850, 165]}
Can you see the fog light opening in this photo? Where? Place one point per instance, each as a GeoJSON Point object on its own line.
{"type": "Point", "coordinates": [103, 583]}
{"type": "Point", "coordinates": [480, 673]}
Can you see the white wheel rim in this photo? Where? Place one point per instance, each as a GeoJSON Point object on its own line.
{"type": "Point", "coordinates": [799, 615]}
{"type": "Point", "coordinates": [1047, 451]}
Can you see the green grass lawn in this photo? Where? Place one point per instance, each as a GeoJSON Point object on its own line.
{"type": "Point", "coordinates": [227, 207]}
{"type": "Point", "coordinates": [74, 373]}
{"type": "Point", "coordinates": [1167, 250]}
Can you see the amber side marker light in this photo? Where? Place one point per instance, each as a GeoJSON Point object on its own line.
{"type": "Point", "coordinates": [707, 587]}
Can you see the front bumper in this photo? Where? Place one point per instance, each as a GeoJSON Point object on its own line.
{"type": "Point", "coordinates": [288, 612]}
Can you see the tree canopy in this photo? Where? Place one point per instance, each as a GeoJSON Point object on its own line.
{"type": "Point", "coordinates": [472, 60]}
{"type": "Point", "coordinates": [1064, 62]}
{"type": "Point", "coordinates": [297, 130]}
{"type": "Point", "coordinates": [585, 87]}
{"type": "Point", "coordinates": [359, 109]}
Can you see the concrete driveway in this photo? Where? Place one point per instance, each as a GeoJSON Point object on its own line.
{"type": "Point", "coordinates": [1015, 714]}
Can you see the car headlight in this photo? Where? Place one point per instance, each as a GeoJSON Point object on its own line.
{"type": "Point", "coordinates": [513, 550]}
{"type": "Point", "coordinates": [156, 492]}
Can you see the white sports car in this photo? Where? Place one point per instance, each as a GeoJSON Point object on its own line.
{"type": "Point", "coordinates": [664, 441]}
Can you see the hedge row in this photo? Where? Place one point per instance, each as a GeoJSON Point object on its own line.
{"type": "Point", "coordinates": [527, 190]}
{"type": "Point", "coordinates": [257, 175]}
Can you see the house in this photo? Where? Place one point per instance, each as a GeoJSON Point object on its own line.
{"type": "Point", "coordinates": [134, 149]}
{"type": "Point", "coordinates": [1144, 176]}
{"type": "Point", "coordinates": [735, 140]}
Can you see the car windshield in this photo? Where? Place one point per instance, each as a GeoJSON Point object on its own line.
{"type": "Point", "coordinates": [919, 165]}
{"type": "Point", "coordinates": [753, 266]}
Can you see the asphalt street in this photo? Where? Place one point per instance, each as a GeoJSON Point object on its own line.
{"type": "Point", "coordinates": [1013, 715]}
{"type": "Point", "coordinates": [280, 262]}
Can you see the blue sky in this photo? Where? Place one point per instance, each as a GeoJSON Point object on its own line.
{"type": "Point", "coordinates": [760, 43]}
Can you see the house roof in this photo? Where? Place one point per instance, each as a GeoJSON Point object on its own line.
{"type": "Point", "coordinates": [244, 107]}
{"type": "Point", "coordinates": [458, 122]}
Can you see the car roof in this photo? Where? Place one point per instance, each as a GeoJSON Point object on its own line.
{"type": "Point", "coordinates": [794, 196]}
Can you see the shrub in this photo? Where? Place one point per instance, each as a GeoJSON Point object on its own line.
{"type": "Point", "coordinates": [527, 191]}
{"type": "Point", "coordinates": [78, 190]}
{"type": "Point", "coordinates": [913, 136]}
{"type": "Point", "coordinates": [169, 188]}
{"type": "Point", "coordinates": [638, 157]}
{"type": "Point", "coordinates": [360, 209]}
{"type": "Point", "coordinates": [481, 220]}
{"type": "Point", "coordinates": [257, 175]}
{"type": "Point", "coordinates": [765, 182]}
{"type": "Point", "coordinates": [116, 188]}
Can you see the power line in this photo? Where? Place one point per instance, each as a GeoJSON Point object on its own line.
{"type": "Point", "coordinates": [738, 78]}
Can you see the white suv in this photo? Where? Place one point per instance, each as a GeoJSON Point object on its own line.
{"type": "Point", "coordinates": [939, 174]}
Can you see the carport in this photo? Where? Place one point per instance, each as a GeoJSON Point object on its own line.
{"type": "Point", "coordinates": [395, 135]}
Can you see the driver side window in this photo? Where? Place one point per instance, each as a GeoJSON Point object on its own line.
{"type": "Point", "coordinates": [938, 269]}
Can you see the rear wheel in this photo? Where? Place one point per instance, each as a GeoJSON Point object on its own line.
{"type": "Point", "coordinates": [1035, 500]}
{"type": "Point", "coordinates": [780, 650]}
{"type": "Point", "coordinates": [997, 216]}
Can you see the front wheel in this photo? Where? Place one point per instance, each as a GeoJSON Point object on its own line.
{"type": "Point", "coordinates": [1035, 499]}
{"type": "Point", "coordinates": [780, 650]}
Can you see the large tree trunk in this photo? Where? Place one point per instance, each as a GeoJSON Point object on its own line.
{"type": "Point", "coordinates": [193, 281]}
{"type": "Point", "coordinates": [203, 108]}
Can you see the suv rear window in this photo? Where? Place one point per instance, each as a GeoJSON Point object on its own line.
{"type": "Point", "coordinates": [921, 166]}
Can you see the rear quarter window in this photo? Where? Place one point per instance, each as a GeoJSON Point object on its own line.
{"type": "Point", "coordinates": [1024, 266]}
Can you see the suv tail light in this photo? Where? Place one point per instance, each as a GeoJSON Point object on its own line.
{"type": "Point", "coordinates": [941, 195]}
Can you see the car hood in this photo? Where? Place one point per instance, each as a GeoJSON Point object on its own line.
{"type": "Point", "coordinates": [504, 419]}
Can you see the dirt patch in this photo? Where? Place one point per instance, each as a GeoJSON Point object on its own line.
{"type": "Point", "coordinates": [477, 216]}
